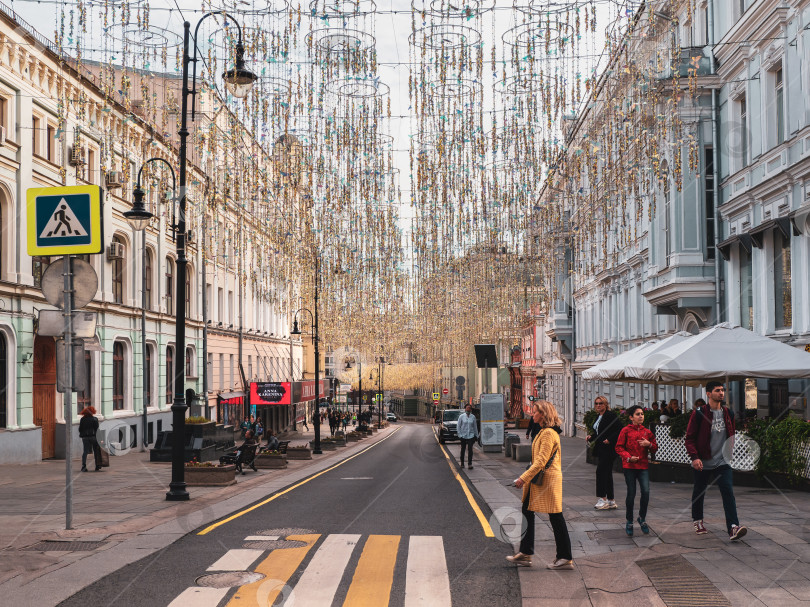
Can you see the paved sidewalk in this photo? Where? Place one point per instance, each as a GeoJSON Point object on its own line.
{"type": "Point", "coordinates": [770, 566]}
{"type": "Point", "coordinates": [125, 507]}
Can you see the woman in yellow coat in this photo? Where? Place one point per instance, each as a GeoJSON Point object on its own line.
{"type": "Point", "coordinates": [547, 497]}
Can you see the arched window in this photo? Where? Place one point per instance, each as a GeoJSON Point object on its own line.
{"type": "Point", "coordinates": [169, 285]}
{"type": "Point", "coordinates": [85, 399]}
{"type": "Point", "coordinates": [169, 375]}
{"type": "Point", "coordinates": [147, 375]}
{"type": "Point", "coordinates": [118, 272]}
{"type": "Point", "coordinates": [3, 381]}
{"type": "Point", "coordinates": [118, 376]}
{"type": "Point", "coordinates": [190, 367]}
{"type": "Point", "coordinates": [147, 273]}
{"type": "Point", "coordinates": [188, 291]}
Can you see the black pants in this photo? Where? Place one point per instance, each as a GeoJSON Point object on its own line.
{"type": "Point", "coordinates": [558, 526]}
{"type": "Point", "coordinates": [91, 446]}
{"type": "Point", "coordinates": [724, 476]}
{"type": "Point", "coordinates": [604, 471]}
{"type": "Point", "coordinates": [467, 443]}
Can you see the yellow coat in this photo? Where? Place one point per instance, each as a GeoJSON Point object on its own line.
{"type": "Point", "coordinates": [548, 496]}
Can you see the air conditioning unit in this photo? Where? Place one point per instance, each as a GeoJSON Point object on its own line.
{"type": "Point", "coordinates": [114, 180]}
{"type": "Point", "coordinates": [115, 251]}
{"type": "Point", "coordinates": [2, 135]}
{"type": "Point", "coordinates": [78, 156]}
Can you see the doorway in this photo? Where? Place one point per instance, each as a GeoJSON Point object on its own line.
{"type": "Point", "coordinates": [45, 392]}
{"type": "Point", "coordinates": [778, 398]}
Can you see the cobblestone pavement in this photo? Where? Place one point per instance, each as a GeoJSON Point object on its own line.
{"type": "Point", "coordinates": [770, 566]}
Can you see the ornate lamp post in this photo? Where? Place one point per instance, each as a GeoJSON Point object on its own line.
{"type": "Point", "coordinates": [138, 217]}
{"type": "Point", "coordinates": [238, 81]}
{"type": "Point", "coordinates": [316, 448]}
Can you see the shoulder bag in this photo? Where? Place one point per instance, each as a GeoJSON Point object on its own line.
{"type": "Point", "coordinates": [538, 478]}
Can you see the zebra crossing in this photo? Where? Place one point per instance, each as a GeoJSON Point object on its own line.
{"type": "Point", "coordinates": [245, 577]}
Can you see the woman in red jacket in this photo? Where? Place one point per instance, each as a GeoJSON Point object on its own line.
{"type": "Point", "coordinates": [634, 446]}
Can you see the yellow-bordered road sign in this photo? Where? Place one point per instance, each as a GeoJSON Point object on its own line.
{"type": "Point", "coordinates": [435, 396]}
{"type": "Point", "coordinates": [65, 220]}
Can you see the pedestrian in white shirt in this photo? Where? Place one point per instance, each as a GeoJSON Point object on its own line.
{"type": "Point", "coordinates": [467, 430]}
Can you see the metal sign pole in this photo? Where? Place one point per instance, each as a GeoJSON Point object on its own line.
{"type": "Point", "coordinates": [68, 377]}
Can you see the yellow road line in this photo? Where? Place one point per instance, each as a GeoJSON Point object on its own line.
{"type": "Point", "coordinates": [374, 575]}
{"type": "Point", "coordinates": [478, 513]}
{"type": "Point", "coordinates": [303, 482]}
{"type": "Point", "coordinates": [277, 568]}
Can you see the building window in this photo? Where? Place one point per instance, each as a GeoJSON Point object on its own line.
{"type": "Point", "coordinates": [220, 304]}
{"type": "Point", "coordinates": [50, 143]}
{"type": "Point", "coordinates": [188, 291]}
{"type": "Point", "coordinates": [4, 115]}
{"type": "Point", "coordinates": [118, 376]}
{"type": "Point", "coordinates": [781, 277]}
{"type": "Point", "coordinates": [233, 382]}
{"type": "Point", "coordinates": [709, 172]}
{"type": "Point", "coordinates": [779, 90]}
{"type": "Point", "coordinates": [147, 282]}
{"type": "Point", "coordinates": [169, 375]}
{"type": "Point", "coordinates": [667, 223]}
{"type": "Point", "coordinates": [38, 266]}
{"type": "Point", "coordinates": [85, 399]}
{"type": "Point", "coordinates": [147, 376]}
{"type": "Point", "coordinates": [90, 172]}
{"type": "Point", "coordinates": [746, 290]}
{"type": "Point", "coordinates": [169, 285]}
{"type": "Point", "coordinates": [3, 381]}
{"type": "Point", "coordinates": [190, 367]}
{"type": "Point", "coordinates": [742, 108]}
{"type": "Point", "coordinates": [36, 123]}
{"type": "Point", "coordinates": [118, 273]}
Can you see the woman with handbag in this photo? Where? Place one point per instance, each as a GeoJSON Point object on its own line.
{"type": "Point", "coordinates": [606, 430]}
{"type": "Point", "coordinates": [542, 489]}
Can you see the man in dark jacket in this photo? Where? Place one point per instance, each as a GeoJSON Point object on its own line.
{"type": "Point", "coordinates": [88, 426]}
{"type": "Point", "coordinates": [710, 427]}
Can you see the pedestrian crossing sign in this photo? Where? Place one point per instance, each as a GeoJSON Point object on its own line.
{"type": "Point", "coordinates": [65, 220]}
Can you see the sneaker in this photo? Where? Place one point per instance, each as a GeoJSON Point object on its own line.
{"type": "Point", "coordinates": [84, 468]}
{"type": "Point", "coordinates": [520, 559]}
{"type": "Point", "coordinates": [612, 505]}
{"type": "Point", "coordinates": [737, 531]}
{"type": "Point", "coordinates": [628, 528]}
{"type": "Point", "coordinates": [462, 465]}
{"type": "Point", "coordinates": [605, 506]}
{"type": "Point", "coordinates": [645, 529]}
{"type": "Point", "coordinates": [600, 502]}
{"type": "Point", "coordinates": [561, 564]}
{"type": "Point", "coordinates": [470, 467]}
{"type": "Point", "coordinates": [699, 528]}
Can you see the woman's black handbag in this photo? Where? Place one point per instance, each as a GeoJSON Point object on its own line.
{"type": "Point", "coordinates": [538, 478]}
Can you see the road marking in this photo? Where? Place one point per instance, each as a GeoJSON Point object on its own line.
{"type": "Point", "coordinates": [357, 478]}
{"type": "Point", "coordinates": [277, 569]}
{"type": "Point", "coordinates": [261, 538]}
{"type": "Point", "coordinates": [427, 581]}
{"type": "Point", "coordinates": [303, 482]}
{"type": "Point", "coordinates": [321, 578]}
{"type": "Point", "coordinates": [374, 574]}
{"type": "Point", "coordinates": [198, 596]}
{"type": "Point", "coordinates": [238, 559]}
{"type": "Point", "coordinates": [478, 513]}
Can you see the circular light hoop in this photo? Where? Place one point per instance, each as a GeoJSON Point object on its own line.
{"type": "Point", "coordinates": [445, 8]}
{"type": "Point", "coordinates": [152, 38]}
{"type": "Point", "coordinates": [341, 9]}
{"type": "Point", "coordinates": [244, 7]}
{"type": "Point", "coordinates": [455, 89]}
{"type": "Point", "coordinates": [273, 86]}
{"type": "Point", "coordinates": [521, 35]}
{"type": "Point", "coordinates": [522, 87]}
{"type": "Point", "coordinates": [340, 41]}
{"type": "Point", "coordinates": [543, 8]}
{"type": "Point", "coordinates": [445, 36]}
{"type": "Point", "coordinates": [364, 88]}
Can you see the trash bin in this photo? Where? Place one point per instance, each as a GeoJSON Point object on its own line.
{"type": "Point", "coordinates": [509, 440]}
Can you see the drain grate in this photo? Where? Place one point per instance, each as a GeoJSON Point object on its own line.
{"type": "Point", "coordinates": [273, 544]}
{"type": "Point", "coordinates": [286, 531]}
{"type": "Point", "coordinates": [66, 546]}
{"type": "Point", "coordinates": [229, 579]}
{"type": "Point", "coordinates": [680, 584]}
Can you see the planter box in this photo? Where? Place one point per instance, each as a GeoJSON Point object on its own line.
{"type": "Point", "coordinates": [353, 437]}
{"type": "Point", "coordinates": [266, 461]}
{"type": "Point", "coordinates": [299, 453]}
{"type": "Point", "coordinates": [326, 445]}
{"type": "Point", "coordinates": [213, 476]}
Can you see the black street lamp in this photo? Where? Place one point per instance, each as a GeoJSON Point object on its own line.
{"type": "Point", "coordinates": [138, 217]}
{"type": "Point", "coordinates": [316, 448]}
{"type": "Point", "coordinates": [360, 387]}
{"type": "Point", "coordinates": [238, 81]}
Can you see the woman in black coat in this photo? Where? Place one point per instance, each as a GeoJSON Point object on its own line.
{"type": "Point", "coordinates": [605, 434]}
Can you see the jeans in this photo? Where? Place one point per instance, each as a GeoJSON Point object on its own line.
{"type": "Point", "coordinates": [91, 446]}
{"type": "Point", "coordinates": [604, 472]}
{"type": "Point", "coordinates": [643, 478]}
{"type": "Point", "coordinates": [467, 443]}
{"type": "Point", "coordinates": [558, 526]}
{"type": "Point", "coordinates": [723, 475]}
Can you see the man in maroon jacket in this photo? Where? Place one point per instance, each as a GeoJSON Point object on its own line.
{"type": "Point", "coordinates": [710, 427]}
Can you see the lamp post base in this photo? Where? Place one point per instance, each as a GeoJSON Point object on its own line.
{"type": "Point", "coordinates": [177, 493]}
{"type": "Point", "coordinates": [316, 451]}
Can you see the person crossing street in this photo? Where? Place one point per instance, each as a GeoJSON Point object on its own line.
{"type": "Point", "coordinates": [467, 430]}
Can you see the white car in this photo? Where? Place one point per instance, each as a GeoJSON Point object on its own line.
{"type": "Point", "coordinates": [391, 417]}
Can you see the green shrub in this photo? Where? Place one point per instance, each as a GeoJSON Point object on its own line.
{"type": "Point", "coordinates": [197, 419]}
{"type": "Point", "coordinates": [778, 444]}
{"type": "Point", "coordinates": [678, 424]}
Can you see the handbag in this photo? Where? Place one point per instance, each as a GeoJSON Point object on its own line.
{"type": "Point", "coordinates": [541, 474]}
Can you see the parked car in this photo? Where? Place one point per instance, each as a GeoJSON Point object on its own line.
{"type": "Point", "coordinates": [391, 417]}
{"type": "Point", "coordinates": [447, 431]}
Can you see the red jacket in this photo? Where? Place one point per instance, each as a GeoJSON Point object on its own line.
{"type": "Point", "coordinates": [699, 432]}
{"type": "Point", "coordinates": [627, 446]}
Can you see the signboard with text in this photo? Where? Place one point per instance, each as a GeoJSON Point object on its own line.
{"type": "Point", "coordinates": [270, 393]}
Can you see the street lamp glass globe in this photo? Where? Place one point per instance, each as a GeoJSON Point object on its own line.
{"type": "Point", "coordinates": [239, 81]}
{"type": "Point", "coordinates": [139, 222]}
{"type": "Point", "coordinates": [138, 217]}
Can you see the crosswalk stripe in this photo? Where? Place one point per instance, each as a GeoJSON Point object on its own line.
{"type": "Point", "coordinates": [427, 581]}
{"type": "Point", "coordinates": [277, 569]}
{"type": "Point", "coordinates": [321, 578]}
{"type": "Point", "coordinates": [261, 538]}
{"type": "Point", "coordinates": [374, 575]}
{"type": "Point", "coordinates": [198, 596]}
{"type": "Point", "coordinates": [238, 559]}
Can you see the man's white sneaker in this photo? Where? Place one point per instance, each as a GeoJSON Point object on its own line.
{"type": "Point", "coordinates": [561, 564]}
{"type": "Point", "coordinates": [612, 505]}
{"type": "Point", "coordinates": [600, 502]}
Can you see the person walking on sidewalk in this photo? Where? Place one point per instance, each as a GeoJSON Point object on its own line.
{"type": "Point", "coordinates": [546, 496]}
{"type": "Point", "coordinates": [634, 445]}
{"type": "Point", "coordinates": [606, 430]}
{"type": "Point", "coordinates": [710, 427]}
{"type": "Point", "coordinates": [88, 426]}
{"type": "Point", "coordinates": [467, 431]}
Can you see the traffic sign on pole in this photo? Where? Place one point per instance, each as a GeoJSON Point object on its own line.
{"type": "Point", "coordinates": [445, 391]}
{"type": "Point", "coordinates": [65, 220]}
{"type": "Point", "coordinates": [435, 396]}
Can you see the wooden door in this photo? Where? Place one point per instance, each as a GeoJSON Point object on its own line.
{"type": "Point", "coordinates": [45, 392]}
{"type": "Point", "coordinates": [778, 398]}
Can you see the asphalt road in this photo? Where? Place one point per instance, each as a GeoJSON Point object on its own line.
{"type": "Point", "coordinates": [389, 526]}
